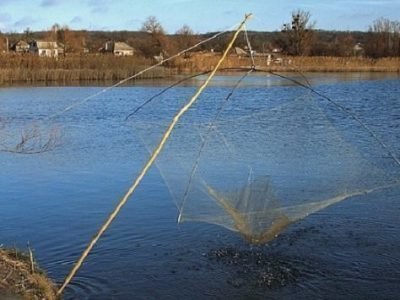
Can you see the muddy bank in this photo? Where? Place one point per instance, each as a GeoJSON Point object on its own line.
{"type": "Point", "coordinates": [22, 279]}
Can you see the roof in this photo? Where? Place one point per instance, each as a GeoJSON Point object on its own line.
{"type": "Point", "coordinates": [121, 46]}
{"type": "Point", "coordinates": [240, 51]}
{"type": "Point", "coordinates": [21, 43]}
{"type": "Point", "coordinates": [46, 45]}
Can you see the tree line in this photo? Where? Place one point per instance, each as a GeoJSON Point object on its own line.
{"type": "Point", "coordinates": [297, 37]}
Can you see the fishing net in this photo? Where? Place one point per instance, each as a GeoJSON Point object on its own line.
{"type": "Point", "coordinates": [259, 162]}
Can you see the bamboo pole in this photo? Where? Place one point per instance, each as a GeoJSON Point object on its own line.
{"type": "Point", "coordinates": [150, 162]}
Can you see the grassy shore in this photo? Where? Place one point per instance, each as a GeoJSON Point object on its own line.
{"type": "Point", "coordinates": [302, 64]}
{"type": "Point", "coordinates": [88, 68]}
{"type": "Point", "coordinates": [34, 69]}
{"type": "Point", "coordinates": [20, 278]}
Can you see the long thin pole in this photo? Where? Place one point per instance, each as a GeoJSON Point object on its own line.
{"type": "Point", "coordinates": [150, 162]}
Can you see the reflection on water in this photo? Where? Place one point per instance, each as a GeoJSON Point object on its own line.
{"type": "Point", "coordinates": [57, 200]}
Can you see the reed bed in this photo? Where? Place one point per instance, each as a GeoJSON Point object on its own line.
{"type": "Point", "coordinates": [87, 68]}
{"type": "Point", "coordinates": [346, 64]}
{"type": "Point", "coordinates": [205, 62]}
{"type": "Point", "coordinates": [34, 69]}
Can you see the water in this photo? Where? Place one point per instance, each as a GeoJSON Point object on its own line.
{"type": "Point", "coordinates": [57, 200]}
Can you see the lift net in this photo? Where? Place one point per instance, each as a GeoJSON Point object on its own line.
{"type": "Point", "coordinates": [264, 163]}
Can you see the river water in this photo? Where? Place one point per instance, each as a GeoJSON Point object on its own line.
{"type": "Point", "coordinates": [57, 200]}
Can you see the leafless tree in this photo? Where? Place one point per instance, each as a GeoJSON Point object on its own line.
{"type": "Point", "coordinates": [71, 41]}
{"type": "Point", "coordinates": [28, 34]}
{"type": "Point", "coordinates": [185, 38]}
{"type": "Point", "coordinates": [3, 43]}
{"type": "Point", "coordinates": [384, 38]}
{"type": "Point", "coordinates": [152, 26]}
{"type": "Point", "coordinates": [298, 35]}
{"type": "Point", "coordinates": [156, 42]}
{"type": "Point", "coordinates": [344, 45]}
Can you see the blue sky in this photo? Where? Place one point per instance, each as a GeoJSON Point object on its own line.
{"type": "Point", "coordinates": [200, 15]}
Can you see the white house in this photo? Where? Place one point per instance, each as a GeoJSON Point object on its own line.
{"type": "Point", "coordinates": [358, 49]}
{"type": "Point", "coordinates": [44, 48]}
{"type": "Point", "coordinates": [118, 48]}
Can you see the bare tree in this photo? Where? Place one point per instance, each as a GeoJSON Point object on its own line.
{"type": "Point", "coordinates": [384, 38]}
{"type": "Point", "coordinates": [298, 35]}
{"type": "Point", "coordinates": [152, 26]}
{"type": "Point", "coordinates": [156, 42]}
{"type": "Point", "coordinates": [28, 34]}
{"type": "Point", "coordinates": [52, 34]}
{"type": "Point", "coordinates": [344, 45]}
{"type": "Point", "coordinates": [70, 41]}
{"type": "Point", "coordinates": [3, 43]}
{"type": "Point", "coordinates": [185, 38]}
{"type": "Point", "coordinates": [73, 41]}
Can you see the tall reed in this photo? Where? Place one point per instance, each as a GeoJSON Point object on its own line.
{"type": "Point", "coordinates": [33, 69]}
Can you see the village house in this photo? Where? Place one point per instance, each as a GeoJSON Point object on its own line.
{"type": "Point", "coordinates": [20, 47]}
{"type": "Point", "coordinates": [117, 48]}
{"type": "Point", "coordinates": [45, 48]}
{"type": "Point", "coordinates": [358, 49]}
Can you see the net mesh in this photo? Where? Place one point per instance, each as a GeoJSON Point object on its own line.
{"type": "Point", "coordinates": [265, 162]}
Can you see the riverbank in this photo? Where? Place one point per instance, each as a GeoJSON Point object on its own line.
{"type": "Point", "coordinates": [29, 69]}
{"type": "Point", "coordinates": [296, 63]}
{"type": "Point", "coordinates": [20, 278]}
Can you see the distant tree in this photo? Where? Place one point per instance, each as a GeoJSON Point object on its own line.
{"type": "Point", "coordinates": [297, 36]}
{"type": "Point", "coordinates": [71, 41]}
{"type": "Point", "coordinates": [153, 26]}
{"type": "Point", "coordinates": [28, 34]}
{"type": "Point", "coordinates": [121, 35]}
{"type": "Point", "coordinates": [185, 38]}
{"type": "Point", "coordinates": [2, 42]}
{"type": "Point", "coordinates": [383, 38]}
{"type": "Point", "coordinates": [53, 33]}
{"type": "Point", "coordinates": [156, 41]}
{"type": "Point", "coordinates": [344, 45]}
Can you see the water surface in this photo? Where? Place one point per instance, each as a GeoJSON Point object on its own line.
{"type": "Point", "coordinates": [58, 199]}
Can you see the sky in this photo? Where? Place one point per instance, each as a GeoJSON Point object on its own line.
{"type": "Point", "coordinates": [201, 15]}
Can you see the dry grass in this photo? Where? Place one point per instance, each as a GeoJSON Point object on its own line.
{"type": "Point", "coordinates": [19, 281]}
{"type": "Point", "coordinates": [82, 68]}
{"type": "Point", "coordinates": [346, 64]}
{"type": "Point", "coordinates": [33, 69]}
{"type": "Point", "coordinates": [203, 62]}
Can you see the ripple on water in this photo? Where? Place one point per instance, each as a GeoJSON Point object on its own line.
{"type": "Point", "coordinates": [87, 287]}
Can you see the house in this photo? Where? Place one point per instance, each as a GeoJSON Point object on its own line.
{"type": "Point", "coordinates": [159, 58]}
{"type": "Point", "coordinates": [117, 48]}
{"type": "Point", "coordinates": [244, 52]}
{"type": "Point", "coordinates": [45, 48]}
{"type": "Point", "coordinates": [121, 48]}
{"type": "Point", "coordinates": [240, 52]}
{"type": "Point", "coordinates": [358, 49]}
{"type": "Point", "coordinates": [20, 47]}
